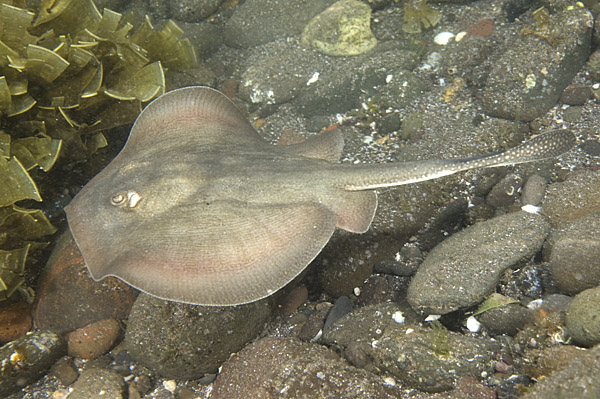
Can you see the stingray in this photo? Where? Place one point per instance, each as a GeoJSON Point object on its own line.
{"type": "Point", "coordinates": [198, 208]}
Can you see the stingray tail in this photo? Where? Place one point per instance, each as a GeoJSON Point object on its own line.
{"type": "Point", "coordinates": [367, 176]}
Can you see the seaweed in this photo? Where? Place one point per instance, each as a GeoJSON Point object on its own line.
{"type": "Point", "coordinates": [543, 27]}
{"type": "Point", "coordinates": [440, 339]}
{"type": "Point", "coordinates": [418, 15]}
{"type": "Point", "coordinates": [68, 72]}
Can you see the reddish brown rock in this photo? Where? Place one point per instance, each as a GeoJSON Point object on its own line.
{"type": "Point", "coordinates": [94, 339]}
{"type": "Point", "coordinates": [68, 298]}
{"type": "Point", "coordinates": [15, 321]}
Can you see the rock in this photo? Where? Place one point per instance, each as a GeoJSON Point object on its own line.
{"type": "Point", "coordinates": [281, 368]}
{"type": "Point", "coordinates": [583, 320]}
{"type": "Point", "coordinates": [257, 22]}
{"type": "Point", "coordinates": [526, 283]}
{"type": "Point", "coordinates": [185, 341]}
{"type": "Point", "coordinates": [342, 84]}
{"type": "Point", "coordinates": [529, 77]}
{"type": "Point", "coordinates": [68, 298]}
{"type": "Point", "coordinates": [593, 64]}
{"type": "Point", "coordinates": [98, 383]}
{"type": "Point", "coordinates": [278, 74]}
{"type": "Point", "coordinates": [343, 29]}
{"type": "Point", "coordinates": [27, 359]}
{"type": "Point", "coordinates": [508, 320]}
{"type": "Point", "coordinates": [576, 197]}
{"type": "Point", "coordinates": [465, 268]}
{"type": "Point", "coordinates": [65, 371]}
{"type": "Point", "coordinates": [15, 321]}
{"type": "Point", "coordinates": [368, 323]}
{"type": "Point", "coordinates": [193, 10]}
{"type": "Point", "coordinates": [358, 331]}
{"type": "Point", "coordinates": [573, 251]}
{"type": "Point", "coordinates": [470, 388]}
{"type": "Point", "coordinates": [575, 379]}
{"type": "Point", "coordinates": [542, 363]}
{"type": "Point", "coordinates": [93, 340]}
{"type": "Point", "coordinates": [533, 190]}
{"type": "Point", "coordinates": [432, 360]}
{"type": "Point", "coordinates": [576, 95]}
{"type": "Point", "coordinates": [505, 192]}
{"type": "Point", "coordinates": [341, 307]}
{"type": "Point", "coordinates": [340, 276]}
{"type": "Point", "coordinates": [294, 299]}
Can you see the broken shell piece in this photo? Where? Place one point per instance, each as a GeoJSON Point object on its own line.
{"type": "Point", "coordinates": [443, 38]}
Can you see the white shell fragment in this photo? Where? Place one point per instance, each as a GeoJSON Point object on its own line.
{"type": "Point", "coordinates": [473, 325]}
{"type": "Point", "coordinates": [531, 208]}
{"type": "Point", "coordinates": [443, 38]}
{"type": "Point", "coordinates": [398, 317]}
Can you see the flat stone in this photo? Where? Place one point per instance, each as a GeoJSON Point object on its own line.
{"type": "Point", "coordinates": [432, 360]}
{"type": "Point", "coordinates": [465, 268]}
{"type": "Point", "coordinates": [258, 22]}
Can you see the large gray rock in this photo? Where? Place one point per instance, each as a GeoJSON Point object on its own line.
{"type": "Point", "coordinates": [186, 341]}
{"type": "Point", "coordinates": [432, 360]}
{"type": "Point", "coordinates": [464, 269]}
{"type": "Point", "coordinates": [276, 368]}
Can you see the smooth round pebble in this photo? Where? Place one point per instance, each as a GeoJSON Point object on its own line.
{"type": "Point", "coordinates": [583, 317]}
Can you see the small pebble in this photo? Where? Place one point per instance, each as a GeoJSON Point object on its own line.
{"type": "Point", "coordinates": [94, 339]}
{"type": "Point", "coordinates": [65, 371]}
{"type": "Point", "coordinates": [533, 190]}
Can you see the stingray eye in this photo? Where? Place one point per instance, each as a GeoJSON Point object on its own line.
{"type": "Point", "coordinates": [118, 199]}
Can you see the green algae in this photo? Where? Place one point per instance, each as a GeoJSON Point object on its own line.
{"type": "Point", "coordinates": [439, 337]}
{"type": "Point", "coordinates": [343, 29]}
{"type": "Point", "coordinates": [418, 16]}
{"type": "Point", "coordinates": [67, 73]}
